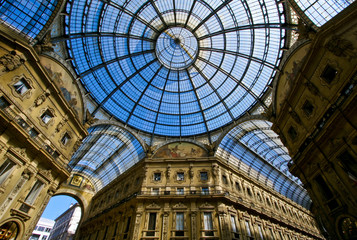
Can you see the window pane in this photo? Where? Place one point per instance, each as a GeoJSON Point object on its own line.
{"type": "Point", "coordinates": [233, 222]}
{"type": "Point", "coordinates": [207, 223]}
{"type": "Point", "coordinates": [152, 224]}
{"type": "Point", "coordinates": [31, 197]}
{"type": "Point", "coordinates": [5, 170]}
{"type": "Point", "coordinates": [21, 86]}
{"type": "Point", "coordinates": [179, 221]}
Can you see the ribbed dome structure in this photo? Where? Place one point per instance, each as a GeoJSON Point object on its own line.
{"type": "Point", "coordinates": [176, 68]}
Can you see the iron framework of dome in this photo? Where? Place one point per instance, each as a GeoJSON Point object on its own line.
{"type": "Point", "coordinates": [175, 68]}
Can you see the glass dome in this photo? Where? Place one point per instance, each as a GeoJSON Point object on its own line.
{"type": "Point", "coordinates": [175, 68]}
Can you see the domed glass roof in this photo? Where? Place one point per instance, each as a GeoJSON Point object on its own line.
{"type": "Point", "coordinates": [177, 67]}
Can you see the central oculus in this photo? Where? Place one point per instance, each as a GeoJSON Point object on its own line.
{"type": "Point", "coordinates": [176, 48]}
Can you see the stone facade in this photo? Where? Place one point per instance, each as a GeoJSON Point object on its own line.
{"type": "Point", "coordinates": [38, 133]}
{"type": "Point", "coordinates": [192, 198]}
{"type": "Point", "coordinates": [317, 119]}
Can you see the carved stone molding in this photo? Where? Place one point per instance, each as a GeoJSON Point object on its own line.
{"type": "Point", "coordinates": [11, 61]}
{"type": "Point", "coordinates": [340, 47]}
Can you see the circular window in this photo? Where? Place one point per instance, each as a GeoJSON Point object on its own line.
{"type": "Point", "coordinates": [176, 48]}
{"type": "Point", "coordinates": [347, 228]}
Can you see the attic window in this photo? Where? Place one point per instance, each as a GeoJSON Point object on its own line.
{"type": "Point", "coordinates": [292, 133]}
{"type": "Point", "coordinates": [65, 139]}
{"type": "Point", "coordinates": [22, 86]}
{"type": "Point", "coordinates": [4, 103]}
{"type": "Point", "coordinates": [46, 116]}
{"type": "Point", "coordinates": [329, 74]}
{"type": "Point", "coordinates": [308, 108]}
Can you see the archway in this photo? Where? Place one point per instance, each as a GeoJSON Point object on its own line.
{"type": "Point", "coordinates": [9, 231]}
{"type": "Point", "coordinates": [60, 218]}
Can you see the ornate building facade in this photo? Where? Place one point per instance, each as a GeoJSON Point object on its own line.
{"type": "Point", "coordinates": [182, 119]}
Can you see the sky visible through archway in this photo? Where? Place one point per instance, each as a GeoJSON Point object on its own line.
{"type": "Point", "coordinates": [58, 205]}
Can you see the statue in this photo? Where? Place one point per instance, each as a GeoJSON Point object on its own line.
{"type": "Point", "coordinates": [340, 47]}
{"type": "Point", "coordinates": [11, 61]}
{"type": "Point", "coordinates": [89, 119]}
{"type": "Point", "coordinates": [45, 45]}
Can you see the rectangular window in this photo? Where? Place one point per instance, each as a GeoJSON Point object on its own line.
{"type": "Point", "coordinates": [208, 224]}
{"type": "Point", "coordinates": [281, 236]}
{"type": "Point", "coordinates": [204, 176]}
{"type": "Point", "coordinates": [155, 191]}
{"type": "Point", "coordinates": [205, 191]}
{"type": "Point", "coordinates": [180, 191]}
{"type": "Point", "coordinates": [115, 230]}
{"type": "Point", "coordinates": [329, 74]}
{"type": "Point", "coordinates": [238, 186]}
{"type": "Point", "coordinates": [4, 103]}
{"type": "Point", "coordinates": [260, 232]}
{"type": "Point", "coordinates": [46, 116]}
{"type": "Point", "coordinates": [22, 86]}
{"type": "Point", "coordinates": [35, 237]}
{"type": "Point", "coordinates": [33, 133]}
{"type": "Point", "coordinates": [41, 229]}
{"type": "Point", "coordinates": [249, 233]}
{"type": "Point", "coordinates": [234, 227]}
{"type": "Point", "coordinates": [31, 197]}
{"type": "Point", "coordinates": [151, 225]}
{"type": "Point", "coordinates": [224, 179]}
{"type": "Point", "coordinates": [157, 176]}
{"type": "Point", "coordinates": [179, 224]}
{"type": "Point", "coordinates": [35, 191]}
{"type": "Point", "coordinates": [6, 169]}
{"type": "Point", "coordinates": [65, 139]}
{"type": "Point", "coordinates": [326, 192]}
{"type": "Point", "coordinates": [180, 176]}
{"type": "Point", "coordinates": [126, 232]}
{"type": "Point", "coordinates": [272, 234]}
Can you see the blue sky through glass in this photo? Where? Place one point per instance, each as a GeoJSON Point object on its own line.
{"type": "Point", "coordinates": [176, 68]}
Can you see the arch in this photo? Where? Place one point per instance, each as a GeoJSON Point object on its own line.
{"type": "Point", "coordinates": [182, 149]}
{"type": "Point", "coordinates": [19, 223]}
{"type": "Point", "coordinates": [77, 195]}
{"type": "Point", "coordinates": [253, 147]}
{"type": "Point", "coordinates": [62, 77]}
{"type": "Point", "coordinates": [107, 152]}
{"type": "Point", "coordinates": [238, 122]}
{"type": "Point", "coordinates": [192, 141]}
{"type": "Point", "coordinates": [127, 128]}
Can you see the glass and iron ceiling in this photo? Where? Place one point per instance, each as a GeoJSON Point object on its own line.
{"type": "Point", "coordinates": [27, 17]}
{"type": "Point", "coordinates": [106, 153]}
{"type": "Point", "coordinates": [177, 67]}
{"type": "Point", "coordinates": [254, 148]}
{"type": "Point", "coordinates": [319, 12]}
